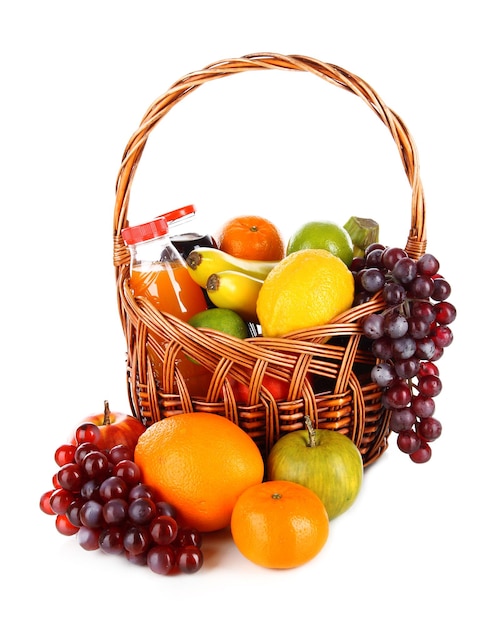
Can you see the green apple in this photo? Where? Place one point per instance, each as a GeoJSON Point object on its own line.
{"type": "Point", "coordinates": [325, 461]}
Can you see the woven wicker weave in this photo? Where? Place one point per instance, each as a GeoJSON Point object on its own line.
{"type": "Point", "coordinates": [344, 398]}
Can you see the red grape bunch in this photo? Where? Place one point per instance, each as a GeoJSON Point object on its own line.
{"type": "Point", "coordinates": [98, 496]}
{"type": "Point", "coordinates": [407, 336]}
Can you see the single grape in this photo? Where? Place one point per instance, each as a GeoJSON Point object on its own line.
{"type": "Point", "coordinates": [73, 512]}
{"type": "Point", "coordinates": [88, 433]}
{"type": "Point", "coordinates": [111, 540]}
{"type": "Point", "coordinates": [372, 280]}
{"type": "Point", "coordinates": [373, 326]}
{"type": "Point", "coordinates": [64, 526]}
{"type": "Point", "coordinates": [441, 290]}
{"type": "Point", "coordinates": [60, 501]}
{"type": "Point", "coordinates": [421, 287]}
{"type": "Point", "coordinates": [45, 505]}
{"type": "Point", "coordinates": [394, 294]}
{"type": "Point", "coordinates": [65, 454]}
{"type": "Point", "coordinates": [118, 453]}
{"type": "Point", "coordinates": [429, 428]}
{"type": "Point", "coordinates": [113, 487]}
{"type": "Point", "coordinates": [424, 406]}
{"type": "Point", "coordinates": [95, 464]}
{"type": "Point", "coordinates": [445, 313]}
{"type": "Point", "coordinates": [391, 255]}
{"type": "Point", "coordinates": [427, 265]}
{"type": "Point", "coordinates": [398, 395]}
{"type": "Point", "coordinates": [163, 529]}
{"type": "Point", "coordinates": [430, 385]}
{"type": "Point", "coordinates": [423, 309]}
{"type": "Point", "coordinates": [403, 348]}
{"type": "Point", "coordinates": [137, 539]}
{"type": "Point", "coordinates": [396, 325]}
{"type": "Point", "coordinates": [428, 367]}
{"type": "Point", "coordinates": [128, 471]}
{"type": "Point", "coordinates": [374, 258]}
{"type": "Point", "coordinates": [91, 514]}
{"type": "Point", "coordinates": [442, 336]}
{"type": "Point", "coordinates": [189, 559]}
{"type": "Point", "coordinates": [88, 538]}
{"type": "Point", "coordinates": [404, 270]}
{"type": "Point", "coordinates": [161, 559]}
{"type": "Point", "coordinates": [402, 419]}
{"type": "Point", "coordinates": [115, 511]}
{"type": "Point", "coordinates": [408, 441]}
{"type": "Point", "coordinates": [142, 510]}
{"type": "Point", "coordinates": [71, 477]}
{"type": "Point", "coordinates": [422, 454]}
{"type": "Point", "coordinates": [383, 374]}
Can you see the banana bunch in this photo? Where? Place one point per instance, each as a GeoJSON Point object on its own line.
{"type": "Point", "coordinates": [230, 282]}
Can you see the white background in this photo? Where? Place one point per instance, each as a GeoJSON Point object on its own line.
{"type": "Point", "coordinates": [76, 79]}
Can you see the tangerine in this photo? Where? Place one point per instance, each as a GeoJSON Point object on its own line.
{"type": "Point", "coordinates": [200, 463]}
{"type": "Point", "coordinates": [251, 237]}
{"type": "Point", "coordinates": [279, 524]}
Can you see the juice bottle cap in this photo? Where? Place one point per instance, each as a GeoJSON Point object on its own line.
{"type": "Point", "coordinates": [181, 215]}
{"type": "Point", "coordinates": [145, 232]}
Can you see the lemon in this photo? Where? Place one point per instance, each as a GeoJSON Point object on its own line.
{"type": "Point", "coordinates": [225, 320]}
{"type": "Point", "coordinates": [325, 236]}
{"type": "Point", "coordinates": [307, 288]}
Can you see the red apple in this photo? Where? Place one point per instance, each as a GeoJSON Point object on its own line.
{"type": "Point", "coordinates": [111, 428]}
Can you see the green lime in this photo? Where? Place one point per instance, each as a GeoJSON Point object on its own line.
{"type": "Point", "coordinates": [325, 236]}
{"type": "Point", "coordinates": [225, 320]}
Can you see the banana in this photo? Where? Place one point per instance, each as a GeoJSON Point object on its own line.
{"type": "Point", "coordinates": [204, 261]}
{"type": "Point", "coordinates": [234, 290]}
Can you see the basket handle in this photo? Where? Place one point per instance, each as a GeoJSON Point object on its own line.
{"type": "Point", "coordinates": [416, 241]}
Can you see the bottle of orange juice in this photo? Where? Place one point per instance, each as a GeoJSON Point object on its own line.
{"type": "Point", "coordinates": [159, 273]}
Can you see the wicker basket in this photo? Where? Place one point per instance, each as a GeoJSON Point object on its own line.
{"type": "Point", "coordinates": [344, 398]}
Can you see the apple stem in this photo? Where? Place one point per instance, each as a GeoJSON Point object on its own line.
{"type": "Point", "coordinates": [311, 432]}
{"type": "Point", "coordinates": [106, 413]}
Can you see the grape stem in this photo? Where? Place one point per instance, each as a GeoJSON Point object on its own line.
{"type": "Point", "coordinates": [106, 421]}
{"type": "Point", "coordinates": [311, 432]}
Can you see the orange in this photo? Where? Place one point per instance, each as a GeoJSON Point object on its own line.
{"type": "Point", "coordinates": [251, 237]}
{"type": "Point", "coordinates": [279, 524]}
{"type": "Point", "coordinates": [200, 463]}
{"type": "Point", "coordinates": [305, 289]}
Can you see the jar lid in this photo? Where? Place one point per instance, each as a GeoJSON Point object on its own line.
{"type": "Point", "coordinates": [145, 232]}
{"type": "Point", "coordinates": [179, 215]}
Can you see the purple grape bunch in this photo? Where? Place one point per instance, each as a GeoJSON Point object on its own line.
{"type": "Point", "coordinates": [407, 337]}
